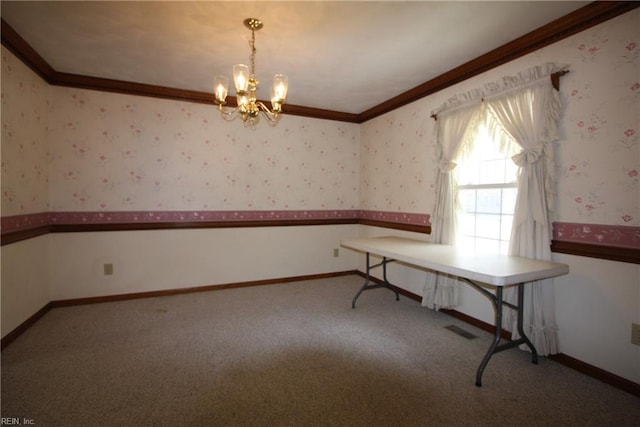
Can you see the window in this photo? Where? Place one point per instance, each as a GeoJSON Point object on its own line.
{"type": "Point", "coordinates": [487, 190]}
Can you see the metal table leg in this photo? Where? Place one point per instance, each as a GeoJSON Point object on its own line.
{"type": "Point", "coordinates": [368, 282]}
{"type": "Point", "coordinates": [523, 337]}
{"type": "Point", "coordinates": [495, 347]}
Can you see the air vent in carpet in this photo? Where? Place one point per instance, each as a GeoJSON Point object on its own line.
{"type": "Point", "coordinates": [457, 330]}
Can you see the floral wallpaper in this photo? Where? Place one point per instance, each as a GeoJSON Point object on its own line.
{"type": "Point", "coordinates": [598, 154]}
{"type": "Point", "coordinates": [600, 169]}
{"type": "Point", "coordinates": [94, 151]}
{"type": "Point", "coordinates": [117, 152]}
{"type": "Point", "coordinates": [24, 154]}
{"type": "Point", "coordinates": [66, 151]}
{"type": "Point", "coordinates": [396, 158]}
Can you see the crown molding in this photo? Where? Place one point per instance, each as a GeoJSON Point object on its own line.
{"type": "Point", "coordinates": [575, 22]}
{"type": "Point", "coordinates": [19, 47]}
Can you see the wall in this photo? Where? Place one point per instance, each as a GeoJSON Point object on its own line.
{"type": "Point", "coordinates": [102, 157]}
{"type": "Point", "coordinates": [171, 259]}
{"type": "Point", "coordinates": [116, 153]}
{"type": "Point", "coordinates": [598, 166]}
{"type": "Point", "coordinates": [25, 185]}
{"type": "Point", "coordinates": [107, 155]}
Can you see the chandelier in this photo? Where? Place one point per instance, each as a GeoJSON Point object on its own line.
{"type": "Point", "coordinates": [249, 108]}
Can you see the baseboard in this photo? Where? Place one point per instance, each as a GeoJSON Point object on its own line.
{"type": "Point", "coordinates": [11, 336]}
{"type": "Point", "coordinates": [573, 363]}
{"type": "Point", "coordinates": [578, 365]}
{"type": "Point", "coordinates": [597, 373]}
{"type": "Point", "coordinates": [180, 291]}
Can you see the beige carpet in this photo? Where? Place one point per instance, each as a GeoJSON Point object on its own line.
{"type": "Point", "coordinates": [292, 354]}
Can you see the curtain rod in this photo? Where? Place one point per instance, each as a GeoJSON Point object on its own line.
{"type": "Point", "coordinates": [555, 82]}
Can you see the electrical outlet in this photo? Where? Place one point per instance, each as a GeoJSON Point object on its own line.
{"type": "Point", "coordinates": [336, 252]}
{"type": "Point", "coordinates": [635, 334]}
{"type": "Point", "coordinates": [108, 269]}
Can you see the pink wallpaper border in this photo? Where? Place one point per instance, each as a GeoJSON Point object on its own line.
{"type": "Point", "coordinates": [596, 234]}
{"type": "Point", "coordinates": [398, 217]}
{"type": "Point", "coordinates": [196, 216]}
{"type": "Point", "coordinates": [15, 223]}
{"type": "Point", "coordinates": [10, 224]}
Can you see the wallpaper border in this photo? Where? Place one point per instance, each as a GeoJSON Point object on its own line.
{"type": "Point", "coordinates": [611, 242]}
{"type": "Point", "coordinates": [597, 234]}
{"type": "Point", "coordinates": [21, 227]}
{"type": "Point", "coordinates": [15, 223]}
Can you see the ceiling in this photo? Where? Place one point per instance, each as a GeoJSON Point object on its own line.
{"type": "Point", "coordinates": [346, 56]}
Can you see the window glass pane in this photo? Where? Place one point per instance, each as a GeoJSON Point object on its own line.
{"type": "Point", "coordinates": [489, 200]}
{"type": "Point", "coordinates": [467, 225]}
{"type": "Point", "coordinates": [468, 173]}
{"type": "Point", "coordinates": [488, 226]}
{"type": "Point", "coordinates": [487, 197]}
{"type": "Point", "coordinates": [492, 171]}
{"type": "Point", "coordinates": [509, 200]}
{"type": "Point", "coordinates": [487, 246]}
{"type": "Point", "coordinates": [511, 171]}
{"type": "Point", "coordinates": [467, 200]}
{"type": "Point", "coordinates": [505, 227]}
{"type": "Point", "coordinates": [466, 243]}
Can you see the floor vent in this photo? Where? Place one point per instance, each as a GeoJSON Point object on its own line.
{"type": "Point", "coordinates": [455, 329]}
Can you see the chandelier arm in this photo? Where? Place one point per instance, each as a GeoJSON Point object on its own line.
{"type": "Point", "coordinates": [271, 115]}
{"type": "Point", "coordinates": [265, 108]}
{"type": "Point", "coordinates": [229, 115]}
{"type": "Point", "coordinates": [270, 118]}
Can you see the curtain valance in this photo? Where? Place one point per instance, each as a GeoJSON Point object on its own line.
{"type": "Point", "coordinates": [531, 76]}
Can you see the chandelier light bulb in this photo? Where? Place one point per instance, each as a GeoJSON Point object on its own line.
{"type": "Point", "coordinates": [221, 88]}
{"type": "Point", "coordinates": [280, 86]}
{"type": "Point", "coordinates": [241, 77]}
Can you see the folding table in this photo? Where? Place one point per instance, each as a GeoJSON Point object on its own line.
{"type": "Point", "coordinates": [480, 270]}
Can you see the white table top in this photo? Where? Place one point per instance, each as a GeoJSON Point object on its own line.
{"type": "Point", "coordinates": [497, 270]}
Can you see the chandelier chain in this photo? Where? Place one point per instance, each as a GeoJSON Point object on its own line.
{"type": "Point", "coordinates": [252, 44]}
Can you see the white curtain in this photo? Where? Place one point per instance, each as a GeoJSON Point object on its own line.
{"type": "Point", "coordinates": [524, 108]}
{"type": "Point", "coordinates": [530, 117]}
{"type": "Point", "coordinates": [453, 130]}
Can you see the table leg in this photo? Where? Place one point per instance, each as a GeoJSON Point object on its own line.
{"type": "Point", "coordinates": [367, 283]}
{"type": "Point", "coordinates": [523, 336]}
{"type": "Point", "coordinates": [496, 347]}
{"type": "Point", "coordinates": [497, 305]}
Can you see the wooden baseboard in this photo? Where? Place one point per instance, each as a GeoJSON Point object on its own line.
{"type": "Point", "coordinates": [578, 365]}
{"type": "Point", "coordinates": [563, 359]}
{"type": "Point", "coordinates": [11, 336]}
{"type": "Point", "coordinates": [573, 363]}
{"type": "Point", "coordinates": [597, 373]}
{"type": "Point", "coordinates": [181, 291]}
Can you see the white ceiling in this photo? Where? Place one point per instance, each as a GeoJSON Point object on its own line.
{"type": "Point", "coordinates": [345, 56]}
